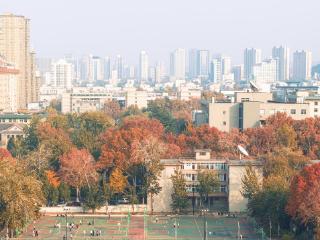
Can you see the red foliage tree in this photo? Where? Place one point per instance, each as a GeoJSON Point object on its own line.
{"type": "Point", "coordinates": [78, 169]}
{"type": "Point", "coordinates": [303, 204]}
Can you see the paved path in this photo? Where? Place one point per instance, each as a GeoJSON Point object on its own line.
{"type": "Point", "coordinates": [136, 228]}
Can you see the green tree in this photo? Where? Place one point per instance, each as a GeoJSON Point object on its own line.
{"type": "Point", "coordinates": [93, 197]}
{"type": "Point", "coordinates": [179, 195]}
{"type": "Point", "coordinates": [208, 183]}
{"type": "Point", "coordinates": [64, 192]}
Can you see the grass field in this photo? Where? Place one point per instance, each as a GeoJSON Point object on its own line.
{"type": "Point", "coordinates": [139, 227]}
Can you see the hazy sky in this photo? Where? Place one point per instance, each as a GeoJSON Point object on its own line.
{"type": "Point", "coordinates": [109, 27]}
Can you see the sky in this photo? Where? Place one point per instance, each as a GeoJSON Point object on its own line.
{"type": "Point", "coordinates": [110, 27]}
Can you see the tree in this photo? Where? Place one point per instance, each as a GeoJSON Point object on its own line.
{"type": "Point", "coordinates": [149, 152]}
{"type": "Point", "coordinates": [78, 169]}
{"type": "Point", "coordinates": [208, 182]}
{"type": "Point", "coordinates": [179, 195]}
{"type": "Point", "coordinates": [303, 204]}
{"type": "Point", "coordinates": [112, 108]}
{"type": "Point", "coordinates": [20, 196]}
{"type": "Point", "coordinates": [64, 192]}
{"type": "Point", "coordinates": [286, 136]}
{"type": "Point", "coordinates": [117, 181]}
{"type": "Point", "coordinates": [93, 197]}
{"type": "Point", "coordinates": [250, 183]}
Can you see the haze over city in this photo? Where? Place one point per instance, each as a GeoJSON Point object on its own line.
{"type": "Point", "coordinates": [127, 27]}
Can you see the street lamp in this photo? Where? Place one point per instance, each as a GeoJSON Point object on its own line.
{"type": "Point", "coordinates": [66, 210]}
{"type": "Point", "coordinates": [205, 224]}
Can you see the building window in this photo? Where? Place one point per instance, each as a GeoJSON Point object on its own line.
{"type": "Point", "coordinates": [224, 123]}
{"type": "Point", "coordinates": [293, 111]}
{"type": "Point", "coordinates": [316, 103]}
{"type": "Point", "coordinates": [244, 99]}
{"type": "Point", "coordinates": [303, 111]}
{"type": "Point", "coordinates": [262, 111]}
{"type": "Point", "coordinates": [272, 111]}
{"type": "Point", "coordinates": [316, 110]}
{"type": "Point", "coordinates": [202, 153]}
{"type": "Point", "coordinates": [224, 112]}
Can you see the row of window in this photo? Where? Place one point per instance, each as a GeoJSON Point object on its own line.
{"type": "Point", "coordinates": [213, 166]}
{"type": "Point", "coordinates": [194, 177]}
{"type": "Point", "coordinates": [14, 120]}
{"type": "Point", "coordinates": [292, 111]}
{"type": "Point", "coordinates": [194, 188]}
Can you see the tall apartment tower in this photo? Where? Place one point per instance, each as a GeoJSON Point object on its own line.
{"type": "Point", "coordinates": [302, 63]}
{"type": "Point", "coordinates": [252, 56]}
{"type": "Point", "coordinates": [282, 54]}
{"type": "Point", "coordinates": [15, 47]}
{"type": "Point", "coordinates": [203, 64]}
{"type": "Point", "coordinates": [143, 67]}
{"type": "Point", "coordinates": [178, 64]}
{"type": "Point", "coordinates": [61, 74]}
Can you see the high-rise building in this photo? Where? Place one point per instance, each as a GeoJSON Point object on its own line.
{"type": "Point", "coordinates": [238, 73]}
{"type": "Point", "coordinates": [61, 74]}
{"type": "Point", "coordinates": [8, 86]}
{"type": "Point", "coordinates": [106, 68]}
{"type": "Point", "coordinates": [159, 72]}
{"type": "Point", "coordinates": [225, 64]}
{"type": "Point", "coordinates": [193, 64]}
{"type": "Point", "coordinates": [119, 66]}
{"type": "Point", "coordinates": [143, 67]}
{"type": "Point", "coordinates": [203, 64]}
{"type": "Point", "coordinates": [95, 69]}
{"type": "Point", "coordinates": [302, 63]}
{"type": "Point", "coordinates": [252, 56]}
{"type": "Point", "coordinates": [178, 64]}
{"type": "Point", "coordinates": [282, 54]}
{"type": "Point", "coordinates": [215, 71]}
{"type": "Point", "coordinates": [265, 72]}
{"type": "Point", "coordinates": [15, 47]}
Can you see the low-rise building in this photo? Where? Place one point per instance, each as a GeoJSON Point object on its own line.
{"type": "Point", "coordinates": [226, 198]}
{"type": "Point", "coordinates": [8, 131]}
{"type": "Point", "coordinates": [137, 98]}
{"type": "Point", "coordinates": [79, 100]}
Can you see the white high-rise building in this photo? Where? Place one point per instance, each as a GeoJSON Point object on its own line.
{"type": "Point", "coordinates": [95, 69]}
{"type": "Point", "coordinates": [178, 64]}
{"type": "Point", "coordinates": [143, 67]}
{"type": "Point", "coordinates": [225, 65]}
{"type": "Point", "coordinates": [252, 56]}
{"type": "Point", "coordinates": [203, 64]}
{"type": "Point", "coordinates": [106, 68]}
{"type": "Point", "coordinates": [282, 54]}
{"type": "Point", "coordinates": [119, 66]}
{"type": "Point", "coordinates": [265, 72]}
{"type": "Point", "coordinates": [215, 71]}
{"type": "Point", "coordinates": [302, 63]}
{"type": "Point", "coordinates": [61, 74]}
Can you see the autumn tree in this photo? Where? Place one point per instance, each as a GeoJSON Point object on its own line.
{"type": "Point", "coordinates": [112, 108]}
{"type": "Point", "coordinates": [303, 204]}
{"type": "Point", "coordinates": [179, 195]}
{"type": "Point", "coordinates": [117, 181]}
{"type": "Point", "coordinates": [78, 169]}
{"type": "Point", "coordinates": [250, 183]}
{"type": "Point", "coordinates": [208, 183]}
{"type": "Point", "coordinates": [20, 196]}
{"type": "Point", "coordinates": [149, 152]}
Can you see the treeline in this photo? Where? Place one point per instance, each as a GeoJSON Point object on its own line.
{"type": "Point", "coordinates": [100, 156]}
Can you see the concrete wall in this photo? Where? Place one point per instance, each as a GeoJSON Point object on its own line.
{"type": "Point", "coordinates": [250, 114]}
{"type": "Point", "coordinates": [253, 96]}
{"type": "Point", "coordinates": [124, 208]}
{"type": "Point", "coordinates": [224, 116]}
{"type": "Point", "coordinates": [162, 201]}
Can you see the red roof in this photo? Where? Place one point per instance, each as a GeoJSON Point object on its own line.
{"type": "Point", "coordinates": [5, 70]}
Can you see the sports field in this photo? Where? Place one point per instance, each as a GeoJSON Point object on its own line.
{"type": "Point", "coordinates": [140, 227]}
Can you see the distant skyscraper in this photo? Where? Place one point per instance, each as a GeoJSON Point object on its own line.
{"type": "Point", "coordinates": [203, 64]}
{"type": "Point", "coordinates": [95, 69]}
{"type": "Point", "coordinates": [106, 68]}
{"type": "Point", "coordinates": [302, 63]}
{"type": "Point", "coordinates": [15, 47]}
{"type": "Point", "coordinates": [225, 65]}
{"type": "Point", "coordinates": [252, 56]}
{"type": "Point", "coordinates": [215, 71]}
{"type": "Point", "coordinates": [282, 54]}
{"type": "Point", "coordinates": [238, 72]}
{"type": "Point", "coordinates": [143, 67]}
{"type": "Point", "coordinates": [178, 64]}
{"type": "Point", "coordinates": [265, 72]}
{"type": "Point", "coordinates": [193, 63]}
{"type": "Point", "coordinates": [61, 74]}
{"type": "Point", "coordinates": [119, 66]}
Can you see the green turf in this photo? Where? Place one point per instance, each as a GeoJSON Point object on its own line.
{"type": "Point", "coordinates": [157, 227]}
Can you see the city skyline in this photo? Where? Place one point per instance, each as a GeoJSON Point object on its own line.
{"type": "Point", "coordinates": [160, 28]}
